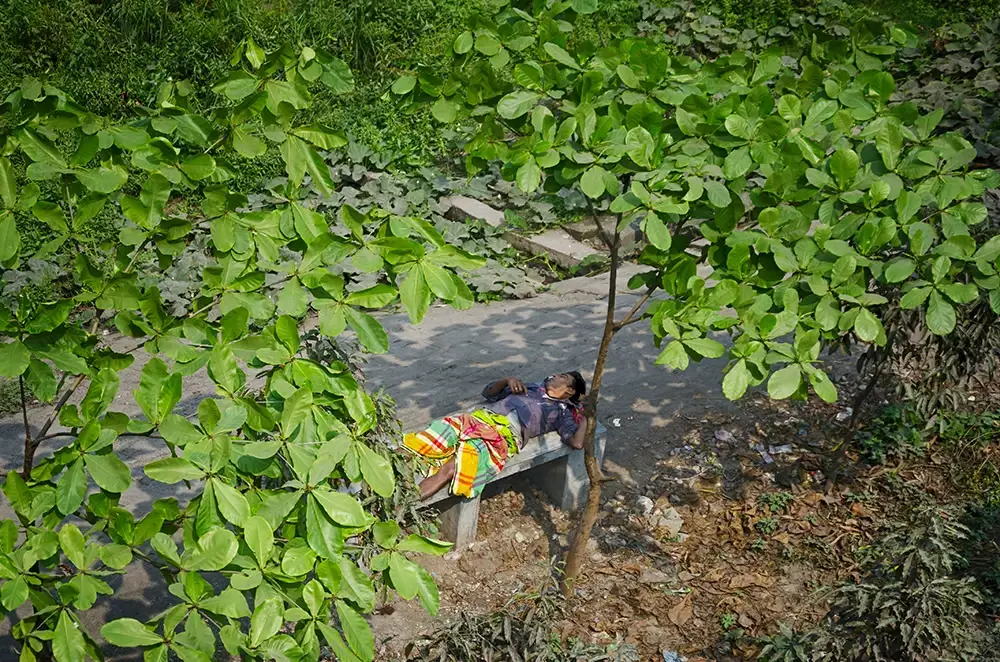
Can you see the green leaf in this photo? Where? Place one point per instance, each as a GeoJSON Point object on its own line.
{"type": "Point", "coordinates": [940, 315]}
{"type": "Point", "coordinates": [371, 333]}
{"type": "Point", "coordinates": [8, 183]}
{"type": "Point", "coordinates": [376, 470]}
{"type": "Point", "coordinates": [738, 126]}
{"type": "Point", "coordinates": [38, 148]}
{"type": "Point", "coordinates": [233, 505]}
{"type": "Point", "coordinates": [71, 488]}
{"type": "Point", "coordinates": [10, 239]}
{"type": "Point", "coordinates": [172, 470]}
{"type": "Point", "coordinates": [559, 54]}
{"type": "Point", "coordinates": [296, 410]}
{"type": "Point", "coordinates": [247, 144]}
{"type": "Point", "coordinates": [736, 381]}
{"type": "Point", "coordinates": [915, 297]}
{"type": "Point", "coordinates": [517, 104]}
{"type": "Point", "coordinates": [229, 603]}
{"type": "Point", "coordinates": [592, 182]}
{"type": "Point", "coordinates": [342, 508]}
{"type": "Point", "coordinates": [67, 640]}
{"type": "Point", "coordinates": [109, 472]}
{"type": "Point", "coordinates": [785, 382]}
{"type": "Point", "coordinates": [444, 110]}
{"type": "Point", "coordinates": [267, 619]}
{"type": "Point", "coordinates": [159, 391]}
{"type": "Point", "coordinates": [14, 358]}
{"type": "Point", "coordinates": [199, 167]}
{"type": "Point", "coordinates": [415, 295]}
{"type": "Point", "coordinates": [259, 538]}
{"type": "Point", "coordinates": [823, 387]}
{"type": "Point", "coordinates": [72, 543]}
{"type": "Point", "coordinates": [790, 107]}
{"type": "Point", "coordinates": [488, 45]}
{"type": "Point", "coordinates": [867, 326]}
{"type": "Point", "coordinates": [657, 232]}
{"type": "Point", "coordinates": [225, 371]}
{"type": "Point", "coordinates": [405, 84]}
{"type": "Point", "coordinates": [410, 581]}
{"type": "Point", "coordinates": [737, 163]}
{"type": "Point", "coordinates": [440, 281]}
{"type": "Point", "coordinates": [214, 551]}
{"type": "Point", "coordinates": [52, 215]}
{"type": "Point", "coordinates": [237, 85]}
{"type": "Point", "coordinates": [844, 166]}
{"type": "Point", "coordinates": [13, 593]}
{"type": "Point", "coordinates": [674, 355]}
{"type": "Point", "coordinates": [416, 543]}
{"type": "Point", "coordinates": [116, 556]}
{"type": "Point", "coordinates": [128, 632]}
{"type": "Point", "coordinates": [102, 180]}
{"type": "Point", "coordinates": [100, 394]}
{"type": "Point", "coordinates": [584, 6]}
{"type": "Point", "coordinates": [899, 270]}
{"type": "Point", "coordinates": [356, 631]}
{"type": "Point", "coordinates": [293, 300]}
{"type": "Point", "coordinates": [706, 347]}
{"type": "Point", "coordinates": [529, 176]}
{"type": "Point", "coordinates": [463, 44]}
{"type": "Point", "coordinates": [321, 136]}
{"type": "Point", "coordinates": [718, 194]}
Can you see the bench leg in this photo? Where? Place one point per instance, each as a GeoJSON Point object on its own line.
{"type": "Point", "coordinates": [565, 480]}
{"type": "Point", "coordinates": [460, 521]}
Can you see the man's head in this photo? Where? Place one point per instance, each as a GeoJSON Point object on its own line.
{"type": "Point", "coordinates": [566, 386]}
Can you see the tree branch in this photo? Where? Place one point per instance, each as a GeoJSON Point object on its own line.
{"type": "Point", "coordinates": [628, 319]}
{"type": "Point", "coordinates": [600, 228]}
{"type": "Point", "coordinates": [27, 430]}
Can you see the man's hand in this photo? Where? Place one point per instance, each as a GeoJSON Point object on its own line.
{"type": "Point", "coordinates": [515, 385]}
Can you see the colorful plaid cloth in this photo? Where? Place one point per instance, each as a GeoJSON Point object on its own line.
{"type": "Point", "coordinates": [480, 442]}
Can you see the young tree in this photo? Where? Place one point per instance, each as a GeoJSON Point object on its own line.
{"type": "Point", "coordinates": [815, 203]}
{"type": "Point", "coordinates": [271, 457]}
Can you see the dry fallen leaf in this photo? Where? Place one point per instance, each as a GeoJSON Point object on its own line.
{"type": "Point", "coordinates": [714, 575]}
{"type": "Point", "coordinates": [747, 580]}
{"type": "Point", "coordinates": [681, 613]}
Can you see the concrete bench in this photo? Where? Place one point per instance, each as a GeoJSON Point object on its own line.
{"type": "Point", "coordinates": [551, 465]}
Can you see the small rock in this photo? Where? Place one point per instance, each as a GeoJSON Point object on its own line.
{"type": "Point", "coordinates": [650, 576]}
{"type": "Point", "coordinates": [520, 537]}
{"type": "Point", "coordinates": [723, 435]}
{"type": "Point", "coordinates": [846, 414]}
{"type": "Point", "coordinates": [452, 556]}
{"type": "Point", "coordinates": [670, 521]}
{"type": "Point", "coordinates": [644, 505]}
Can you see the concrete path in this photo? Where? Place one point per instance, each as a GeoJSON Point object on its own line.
{"type": "Point", "coordinates": [436, 368]}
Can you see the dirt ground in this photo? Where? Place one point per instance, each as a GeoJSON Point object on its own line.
{"type": "Point", "coordinates": [758, 541]}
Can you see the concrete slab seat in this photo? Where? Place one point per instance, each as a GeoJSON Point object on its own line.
{"type": "Point", "coordinates": [551, 465]}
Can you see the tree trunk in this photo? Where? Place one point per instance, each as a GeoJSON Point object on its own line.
{"type": "Point", "coordinates": [578, 546]}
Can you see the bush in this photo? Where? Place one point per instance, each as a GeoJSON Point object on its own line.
{"type": "Point", "coordinates": [895, 433]}
{"type": "Point", "coordinates": [912, 603]}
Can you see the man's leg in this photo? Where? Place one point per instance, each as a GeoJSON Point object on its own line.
{"type": "Point", "coordinates": [432, 484]}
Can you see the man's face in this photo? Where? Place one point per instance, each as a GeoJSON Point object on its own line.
{"type": "Point", "coordinates": [560, 386]}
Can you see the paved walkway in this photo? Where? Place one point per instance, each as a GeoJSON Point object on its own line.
{"type": "Point", "coordinates": [438, 367]}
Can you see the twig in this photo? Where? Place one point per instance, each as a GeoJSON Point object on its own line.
{"type": "Point", "coordinates": [628, 319]}
{"type": "Point", "coordinates": [600, 228]}
{"type": "Point", "coordinates": [27, 429]}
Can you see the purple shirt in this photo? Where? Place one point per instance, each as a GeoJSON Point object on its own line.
{"type": "Point", "coordinates": [537, 412]}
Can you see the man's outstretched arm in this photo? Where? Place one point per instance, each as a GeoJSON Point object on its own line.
{"type": "Point", "coordinates": [493, 391]}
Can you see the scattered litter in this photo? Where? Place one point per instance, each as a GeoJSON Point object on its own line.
{"type": "Point", "coordinates": [617, 422]}
{"type": "Point", "coordinates": [781, 450]}
{"type": "Point", "coordinates": [723, 435]}
{"type": "Point", "coordinates": [670, 521]}
{"type": "Point", "coordinates": [649, 576]}
{"type": "Point", "coordinates": [670, 656]}
{"type": "Point", "coordinates": [644, 505]}
{"type": "Point", "coordinates": [763, 453]}
{"type": "Point", "coordinates": [846, 414]}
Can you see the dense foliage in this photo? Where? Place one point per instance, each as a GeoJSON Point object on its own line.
{"type": "Point", "coordinates": [295, 498]}
{"type": "Point", "coordinates": [816, 202]}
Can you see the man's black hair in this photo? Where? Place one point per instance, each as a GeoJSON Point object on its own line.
{"type": "Point", "coordinates": [579, 386]}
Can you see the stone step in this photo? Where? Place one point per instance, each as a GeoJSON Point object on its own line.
{"type": "Point", "coordinates": [559, 246]}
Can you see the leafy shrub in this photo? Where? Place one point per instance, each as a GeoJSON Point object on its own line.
{"type": "Point", "coordinates": [895, 433]}
{"type": "Point", "coordinates": [525, 629]}
{"type": "Point", "coordinates": [974, 440]}
{"type": "Point", "coordinates": [787, 645]}
{"type": "Point", "coordinates": [912, 603]}
{"type": "Point", "coordinates": [775, 501]}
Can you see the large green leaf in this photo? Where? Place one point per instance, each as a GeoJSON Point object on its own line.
{"type": "Point", "coordinates": [259, 538]}
{"type": "Point", "coordinates": [159, 391]}
{"type": "Point", "coordinates": [529, 176]}
{"type": "Point", "coordinates": [785, 382]}
{"type": "Point", "coordinates": [411, 581]}
{"type": "Point", "coordinates": [736, 381]}
{"type": "Point", "coordinates": [71, 488]}
{"type": "Point", "coordinates": [8, 183]}
{"type": "Point", "coordinates": [356, 631]}
{"type": "Point", "coordinates": [342, 508]}
{"type": "Point", "coordinates": [940, 315]}
{"type": "Point", "coordinates": [844, 166]}
{"type": "Point", "coordinates": [376, 470]}
{"type": "Point", "coordinates": [267, 619]}
{"type": "Point", "coordinates": [415, 295]}
{"type": "Point", "coordinates": [371, 333]}
{"type": "Point", "coordinates": [67, 640]}
{"type": "Point", "coordinates": [100, 394]}
{"type": "Point", "coordinates": [295, 410]}
{"type": "Point", "coordinates": [10, 239]}
{"type": "Point", "coordinates": [214, 550]}
{"type": "Point", "coordinates": [592, 182]}
{"type": "Point", "coordinates": [14, 358]}
{"type": "Point", "coordinates": [128, 632]}
{"type": "Point", "coordinates": [172, 470]}
{"type": "Point", "coordinates": [232, 504]}
{"type": "Point", "coordinates": [109, 472]}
